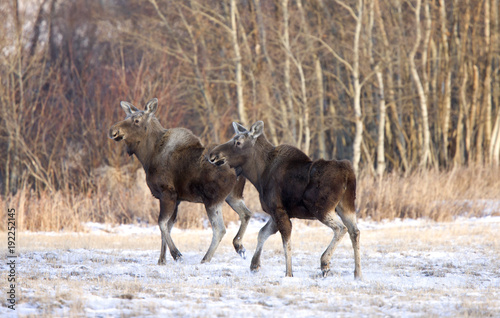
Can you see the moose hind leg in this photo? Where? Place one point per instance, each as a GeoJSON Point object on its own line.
{"type": "Point", "coordinates": [264, 233]}
{"type": "Point", "coordinates": [349, 219]}
{"type": "Point", "coordinates": [284, 225]}
{"type": "Point", "coordinates": [214, 213]}
{"type": "Point", "coordinates": [238, 205]}
{"type": "Point", "coordinates": [163, 249]}
{"type": "Point", "coordinates": [332, 221]}
{"type": "Point", "coordinates": [166, 219]}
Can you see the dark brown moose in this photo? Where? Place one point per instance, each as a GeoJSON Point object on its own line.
{"type": "Point", "coordinates": [291, 185]}
{"type": "Point", "coordinates": [177, 170]}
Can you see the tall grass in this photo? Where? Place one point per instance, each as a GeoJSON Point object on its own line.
{"type": "Point", "coordinates": [121, 196]}
{"type": "Point", "coordinates": [440, 196]}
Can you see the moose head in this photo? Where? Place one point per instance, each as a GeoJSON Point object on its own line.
{"type": "Point", "coordinates": [240, 148]}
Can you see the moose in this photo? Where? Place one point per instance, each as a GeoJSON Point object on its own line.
{"type": "Point", "coordinates": [177, 169]}
{"type": "Point", "coordinates": [291, 185]}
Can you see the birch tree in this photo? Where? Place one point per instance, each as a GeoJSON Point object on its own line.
{"type": "Point", "coordinates": [381, 94]}
{"type": "Point", "coordinates": [237, 60]}
{"type": "Point", "coordinates": [358, 119]}
{"type": "Point", "coordinates": [425, 152]}
{"type": "Point", "coordinates": [447, 80]}
{"type": "Point", "coordinates": [287, 81]}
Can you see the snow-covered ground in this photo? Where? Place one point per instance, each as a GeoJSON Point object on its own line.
{"type": "Point", "coordinates": [411, 268]}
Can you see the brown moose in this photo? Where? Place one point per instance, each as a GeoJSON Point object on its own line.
{"type": "Point", "coordinates": [291, 185]}
{"type": "Point", "coordinates": [177, 170]}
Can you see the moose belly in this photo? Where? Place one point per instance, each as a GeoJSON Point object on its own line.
{"type": "Point", "coordinates": [300, 212]}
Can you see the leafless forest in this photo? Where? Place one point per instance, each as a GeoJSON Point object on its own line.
{"type": "Point", "coordinates": [409, 90]}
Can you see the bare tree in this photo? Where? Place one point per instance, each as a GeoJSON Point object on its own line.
{"type": "Point", "coordinates": [447, 80]}
{"type": "Point", "coordinates": [289, 111]}
{"type": "Point", "coordinates": [391, 85]}
{"type": "Point", "coordinates": [358, 137]}
{"type": "Point", "coordinates": [487, 79]}
{"type": "Point", "coordinates": [381, 94]}
{"type": "Point", "coordinates": [396, 121]}
{"type": "Point", "coordinates": [237, 57]}
{"type": "Point", "coordinates": [425, 152]}
{"type": "Point", "coordinates": [358, 120]}
{"type": "Point", "coordinates": [321, 117]}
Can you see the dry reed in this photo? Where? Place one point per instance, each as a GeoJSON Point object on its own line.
{"type": "Point", "coordinates": [436, 195]}
{"type": "Point", "coordinates": [121, 196]}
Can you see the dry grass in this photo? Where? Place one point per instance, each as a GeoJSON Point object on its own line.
{"type": "Point", "coordinates": [436, 195]}
{"type": "Point", "coordinates": [121, 196]}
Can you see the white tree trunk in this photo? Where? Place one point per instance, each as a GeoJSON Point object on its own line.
{"type": "Point", "coordinates": [358, 138]}
{"type": "Point", "coordinates": [321, 117]}
{"type": "Point", "coordinates": [487, 80]}
{"type": "Point", "coordinates": [307, 128]}
{"type": "Point", "coordinates": [447, 85]}
{"type": "Point", "coordinates": [420, 89]}
{"type": "Point", "coordinates": [495, 141]}
{"type": "Point", "coordinates": [381, 126]}
{"type": "Point", "coordinates": [380, 81]}
{"type": "Point", "coordinates": [237, 60]}
{"type": "Point", "coordinates": [288, 88]}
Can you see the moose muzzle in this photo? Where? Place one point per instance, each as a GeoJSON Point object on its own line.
{"type": "Point", "coordinates": [114, 134]}
{"type": "Point", "coordinates": [215, 159]}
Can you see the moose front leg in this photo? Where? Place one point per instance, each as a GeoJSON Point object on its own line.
{"type": "Point", "coordinates": [238, 205]}
{"type": "Point", "coordinates": [166, 220]}
{"type": "Point", "coordinates": [264, 233]}
{"type": "Point", "coordinates": [214, 213]}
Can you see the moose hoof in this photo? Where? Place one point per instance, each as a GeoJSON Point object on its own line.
{"type": "Point", "coordinates": [240, 250]}
{"type": "Point", "coordinates": [358, 276]}
{"type": "Point", "coordinates": [243, 253]}
{"type": "Point", "coordinates": [254, 268]}
{"type": "Point", "coordinates": [325, 272]}
{"type": "Point", "coordinates": [162, 262]}
{"type": "Point", "coordinates": [203, 261]}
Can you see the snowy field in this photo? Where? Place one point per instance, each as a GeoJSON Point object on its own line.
{"type": "Point", "coordinates": [411, 268]}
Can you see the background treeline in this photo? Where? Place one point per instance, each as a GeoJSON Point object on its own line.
{"type": "Point", "coordinates": [395, 86]}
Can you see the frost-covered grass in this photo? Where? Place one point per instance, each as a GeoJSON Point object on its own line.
{"type": "Point", "coordinates": [412, 268]}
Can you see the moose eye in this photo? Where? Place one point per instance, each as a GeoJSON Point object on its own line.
{"type": "Point", "coordinates": [136, 120]}
{"type": "Point", "coordinates": [238, 143]}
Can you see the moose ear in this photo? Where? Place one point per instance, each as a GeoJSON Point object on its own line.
{"type": "Point", "coordinates": [257, 129]}
{"type": "Point", "coordinates": [238, 129]}
{"type": "Point", "coordinates": [128, 108]}
{"type": "Point", "coordinates": [152, 106]}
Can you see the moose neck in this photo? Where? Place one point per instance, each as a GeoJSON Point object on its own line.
{"type": "Point", "coordinates": [254, 168]}
{"type": "Point", "coordinates": [144, 150]}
